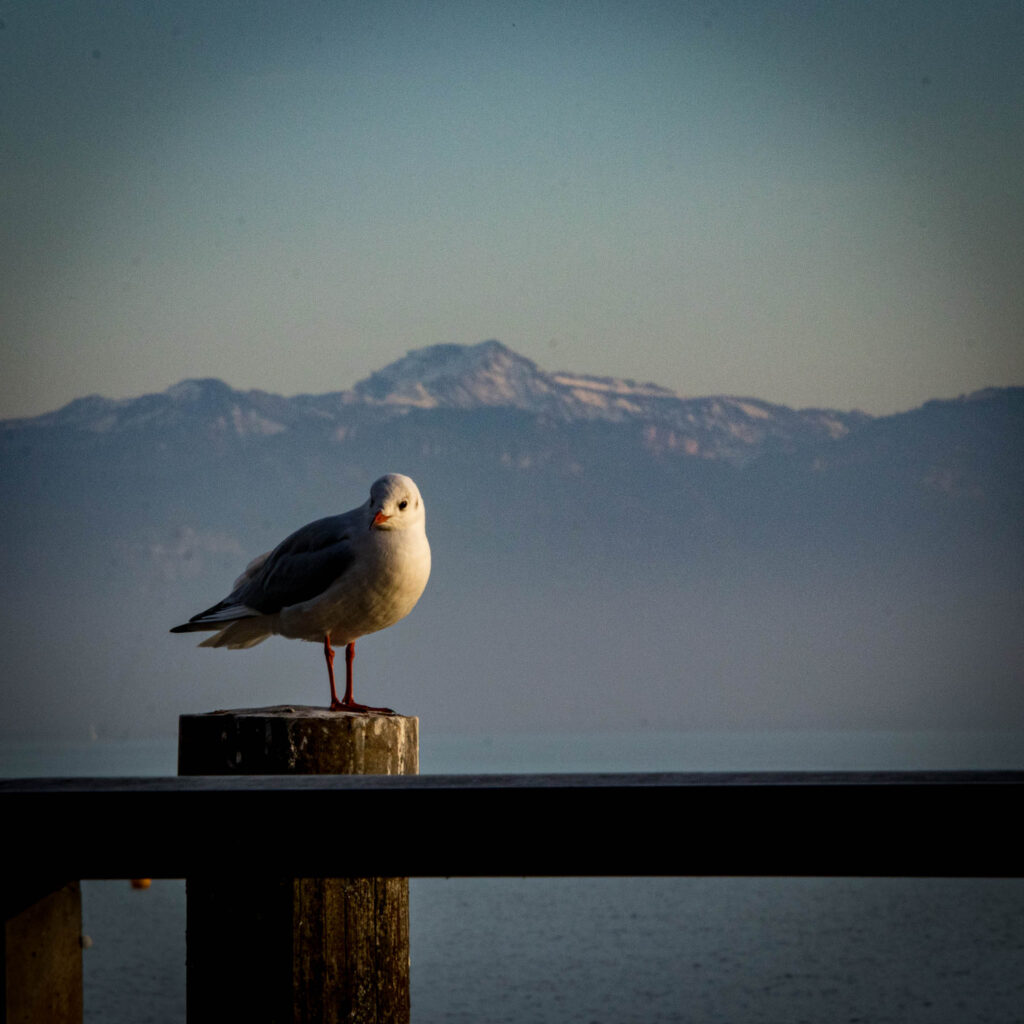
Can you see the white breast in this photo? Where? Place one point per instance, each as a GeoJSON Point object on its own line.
{"type": "Point", "coordinates": [382, 586]}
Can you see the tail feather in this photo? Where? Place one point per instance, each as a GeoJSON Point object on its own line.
{"type": "Point", "coordinates": [216, 617]}
{"type": "Point", "coordinates": [239, 634]}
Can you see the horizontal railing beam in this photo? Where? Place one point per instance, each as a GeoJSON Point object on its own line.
{"type": "Point", "coordinates": [913, 824]}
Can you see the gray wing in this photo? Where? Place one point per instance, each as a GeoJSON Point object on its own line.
{"type": "Point", "coordinates": [301, 567]}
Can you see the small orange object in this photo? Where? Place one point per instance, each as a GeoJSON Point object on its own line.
{"type": "Point", "coordinates": [141, 883]}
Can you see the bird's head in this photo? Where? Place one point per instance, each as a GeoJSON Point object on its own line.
{"type": "Point", "coordinates": [395, 503]}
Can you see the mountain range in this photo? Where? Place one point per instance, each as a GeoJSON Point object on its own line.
{"type": "Point", "coordinates": [469, 379]}
{"type": "Point", "coordinates": [607, 553]}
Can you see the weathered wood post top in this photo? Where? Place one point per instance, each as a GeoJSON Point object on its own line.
{"type": "Point", "coordinates": [291, 739]}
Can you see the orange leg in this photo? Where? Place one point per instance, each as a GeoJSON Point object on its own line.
{"type": "Point", "coordinates": [329, 657]}
{"type": "Point", "coordinates": [348, 704]}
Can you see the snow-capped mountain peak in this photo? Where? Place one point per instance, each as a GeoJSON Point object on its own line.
{"type": "Point", "coordinates": [457, 376]}
{"type": "Point", "coordinates": [491, 374]}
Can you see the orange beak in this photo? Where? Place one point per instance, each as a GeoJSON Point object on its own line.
{"type": "Point", "coordinates": [378, 519]}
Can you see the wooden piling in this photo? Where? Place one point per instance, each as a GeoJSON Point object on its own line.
{"type": "Point", "coordinates": [311, 949]}
{"type": "Point", "coordinates": [41, 952]}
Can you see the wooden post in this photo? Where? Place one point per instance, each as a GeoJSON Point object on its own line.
{"type": "Point", "coordinates": [298, 950]}
{"type": "Point", "coordinates": [42, 953]}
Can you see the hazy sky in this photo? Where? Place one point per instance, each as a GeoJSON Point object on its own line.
{"type": "Point", "coordinates": [813, 203]}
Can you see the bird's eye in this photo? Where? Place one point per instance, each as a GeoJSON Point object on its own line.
{"type": "Point", "coordinates": [402, 505]}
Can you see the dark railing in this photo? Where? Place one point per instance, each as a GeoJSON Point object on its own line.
{"type": "Point", "coordinates": [957, 824]}
{"type": "Point", "coordinates": [295, 835]}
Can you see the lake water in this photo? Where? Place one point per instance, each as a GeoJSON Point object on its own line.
{"type": "Point", "coordinates": [628, 950]}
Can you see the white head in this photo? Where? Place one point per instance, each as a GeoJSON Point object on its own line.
{"type": "Point", "coordinates": [395, 504]}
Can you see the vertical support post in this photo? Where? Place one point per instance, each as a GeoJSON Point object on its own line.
{"type": "Point", "coordinates": [42, 954]}
{"type": "Point", "coordinates": [298, 950]}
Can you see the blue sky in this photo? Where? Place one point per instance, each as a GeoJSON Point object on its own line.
{"type": "Point", "coordinates": [813, 203]}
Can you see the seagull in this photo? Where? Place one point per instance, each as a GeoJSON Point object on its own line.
{"type": "Point", "coordinates": [332, 581]}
